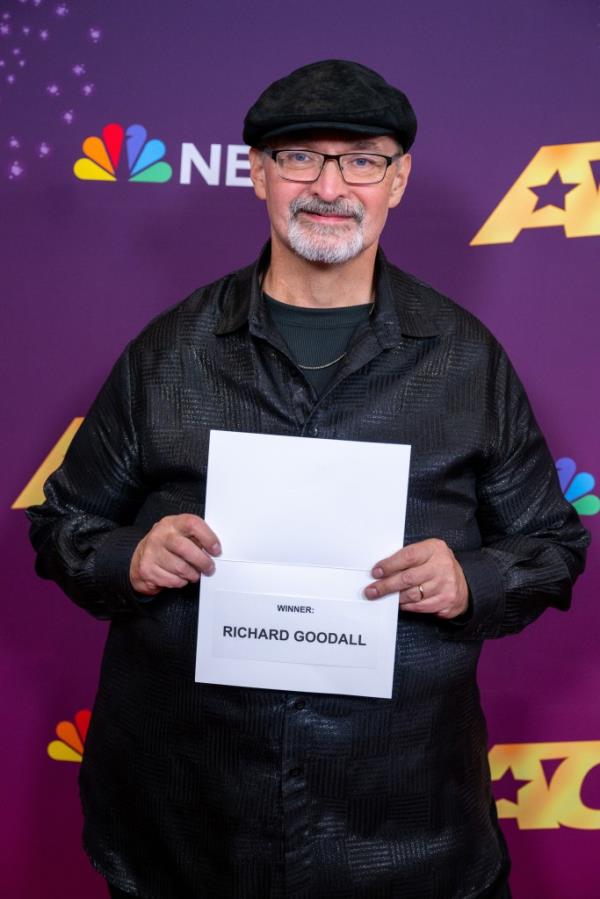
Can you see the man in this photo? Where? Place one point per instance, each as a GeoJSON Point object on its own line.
{"type": "Point", "coordinates": [197, 790]}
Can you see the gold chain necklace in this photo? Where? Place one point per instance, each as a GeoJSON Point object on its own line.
{"type": "Point", "coordinates": [333, 361]}
{"type": "Point", "coordinates": [319, 367]}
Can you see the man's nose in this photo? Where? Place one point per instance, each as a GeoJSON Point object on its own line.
{"type": "Point", "coordinates": [330, 183]}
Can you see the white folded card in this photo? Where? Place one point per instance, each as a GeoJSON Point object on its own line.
{"type": "Point", "coordinates": [301, 522]}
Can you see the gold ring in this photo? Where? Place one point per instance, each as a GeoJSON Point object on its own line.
{"type": "Point", "coordinates": [421, 591]}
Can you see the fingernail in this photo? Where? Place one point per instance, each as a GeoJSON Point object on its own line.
{"type": "Point", "coordinates": [210, 571]}
{"type": "Point", "coordinates": [371, 593]}
{"type": "Point", "coordinates": [216, 549]}
{"type": "Point", "coordinates": [377, 572]}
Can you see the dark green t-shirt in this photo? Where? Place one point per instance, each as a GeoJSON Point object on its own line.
{"type": "Point", "coordinates": [318, 339]}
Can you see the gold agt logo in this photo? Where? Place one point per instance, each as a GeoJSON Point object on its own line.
{"type": "Point", "coordinates": [559, 188]}
{"type": "Point", "coordinates": [33, 492]}
{"type": "Point", "coordinates": [540, 784]}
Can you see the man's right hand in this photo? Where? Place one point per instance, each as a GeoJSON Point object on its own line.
{"type": "Point", "coordinates": [174, 553]}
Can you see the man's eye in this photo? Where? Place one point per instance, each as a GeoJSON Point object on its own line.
{"type": "Point", "coordinates": [297, 157]}
{"type": "Point", "coordinates": [363, 162]}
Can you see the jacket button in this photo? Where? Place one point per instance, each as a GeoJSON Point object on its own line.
{"type": "Point", "coordinates": [295, 772]}
{"type": "Point", "coordinates": [300, 704]}
{"type": "Point", "coordinates": [314, 431]}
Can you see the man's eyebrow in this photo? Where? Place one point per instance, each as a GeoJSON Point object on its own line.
{"type": "Point", "coordinates": [366, 144]}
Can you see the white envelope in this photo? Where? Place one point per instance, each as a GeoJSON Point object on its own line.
{"type": "Point", "coordinates": [301, 521]}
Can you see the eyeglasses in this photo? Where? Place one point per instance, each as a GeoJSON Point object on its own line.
{"type": "Point", "coordinates": [307, 165]}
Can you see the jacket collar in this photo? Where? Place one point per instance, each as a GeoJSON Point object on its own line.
{"type": "Point", "coordinates": [401, 309]}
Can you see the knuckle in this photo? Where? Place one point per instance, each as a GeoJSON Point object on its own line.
{"type": "Point", "coordinates": [180, 569]}
{"type": "Point", "coordinates": [178, 544]}
{"type": "Point", "coordinates": [148, 588]}
{"type": "Point", "coordinates": [439, 547]}
{"type": "Point", "coordinates": [162, 524]}
{"type": "Point", "coordinates": [410, 555]}
{"type": "Point", "coordinates": [144, 567]}
{"type": "Point", "coordinates": [176, 581]}
{"type": "Point", "coordinates": [187, 520]}
{"type": "Point", "coordinates": [198, 527]}
{"type": "Point", "coordinates": [155, 574]}
{"type": "Point", "coordinates": [405, 581]}
{"type": "Point", "coordinates": [393, 583]}
{"type": "Point", "coordinates": [156, 535]}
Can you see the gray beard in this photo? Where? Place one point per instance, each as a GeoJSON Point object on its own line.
{"type": "Point", "coordinates": [325, 243]}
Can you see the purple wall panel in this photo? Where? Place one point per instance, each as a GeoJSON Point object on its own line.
{"type": "Point", "coordinates": [86, 264]}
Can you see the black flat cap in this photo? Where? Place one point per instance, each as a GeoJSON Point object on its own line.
{"type": "Point", "coordinates": [331, 94]}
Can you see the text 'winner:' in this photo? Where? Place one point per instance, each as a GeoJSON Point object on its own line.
{"type": "Point", "coordinates": [274, 633]}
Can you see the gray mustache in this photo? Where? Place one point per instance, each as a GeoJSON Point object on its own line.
{"type": "Point", "coordinates": [323, 207]}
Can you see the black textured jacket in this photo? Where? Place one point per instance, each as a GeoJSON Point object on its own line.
{"type": "Point", "coordinates": [193, 790]}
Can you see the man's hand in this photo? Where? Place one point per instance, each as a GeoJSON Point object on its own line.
{"type": "Point", "coordinates": [174, 553]}
{"type": "Point", "coordinates": [427, 577]}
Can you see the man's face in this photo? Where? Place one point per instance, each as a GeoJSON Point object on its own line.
{"type": "Point", "coordinates": [329, 221]}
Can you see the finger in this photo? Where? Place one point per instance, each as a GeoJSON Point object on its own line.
{"type": "Point", "coordinates": [187, 550]}
{"type": "Point", "coordinates": [401, 580]}
{"type": "Point", "coordinates": [410, 577]}
{"type": "Point", "coordinates": [424, 590]}
{"type": "Point", "coordinates": [152, 583]}
{"type": "Point", "coordinates": [440, 602]}
{"type": "Point", "coordinates": [177, 565]}
{"type": "Point", "coordinates": [420, 608]}
{"type": "Point", "coordinates": [407, 557]}
{"type": "Point", "coordinates": [196, 529]}
{"type": "Point", "coordinates": [428, 606]}
{"type": "Point", "coordinates": [174, 572]}
{"type": "Point", "coordinates": [146, 588]}
{"type": "Point", "coordinates": [168, 579]}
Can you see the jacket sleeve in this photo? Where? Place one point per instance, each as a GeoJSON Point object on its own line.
{"type": "Point", "coordinates": [533, 544]}
{"type": "Point", "coordinates": [84, 532]}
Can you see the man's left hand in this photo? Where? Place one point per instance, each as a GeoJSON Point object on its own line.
{"type": "Point", "coordinates": [427, 577]}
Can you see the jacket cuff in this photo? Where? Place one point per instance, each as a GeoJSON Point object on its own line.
{"type": "Point", "coordinates": [486, 598]}
{"type": "Point", "coordinates": [111, 569]}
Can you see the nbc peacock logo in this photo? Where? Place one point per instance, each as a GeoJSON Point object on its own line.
{"type": "Point", "coordinates": [71, 738]}
{"type": "Point", "coordinates": [577, 487]}
{"type": "Point", "coordinates": [102, 156]}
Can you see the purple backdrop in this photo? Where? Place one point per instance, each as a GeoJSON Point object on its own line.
{"type": "Point", "coordinates": [86, 263]}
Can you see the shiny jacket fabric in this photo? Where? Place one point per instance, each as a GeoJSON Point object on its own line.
{"type": "Point", "coordinates": [194, 790]}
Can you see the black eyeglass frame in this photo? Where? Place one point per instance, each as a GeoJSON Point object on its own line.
{"type": "Point", "coordinates": [273, 154]}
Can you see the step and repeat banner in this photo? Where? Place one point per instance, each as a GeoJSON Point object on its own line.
{"type": "Point", "coordinates": [124, 185]}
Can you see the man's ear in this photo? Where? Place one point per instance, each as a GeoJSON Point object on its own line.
{"type": "Point", "coordinates": [400, 179]}
{"type": "Point", "coordinates": [257, 172]}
